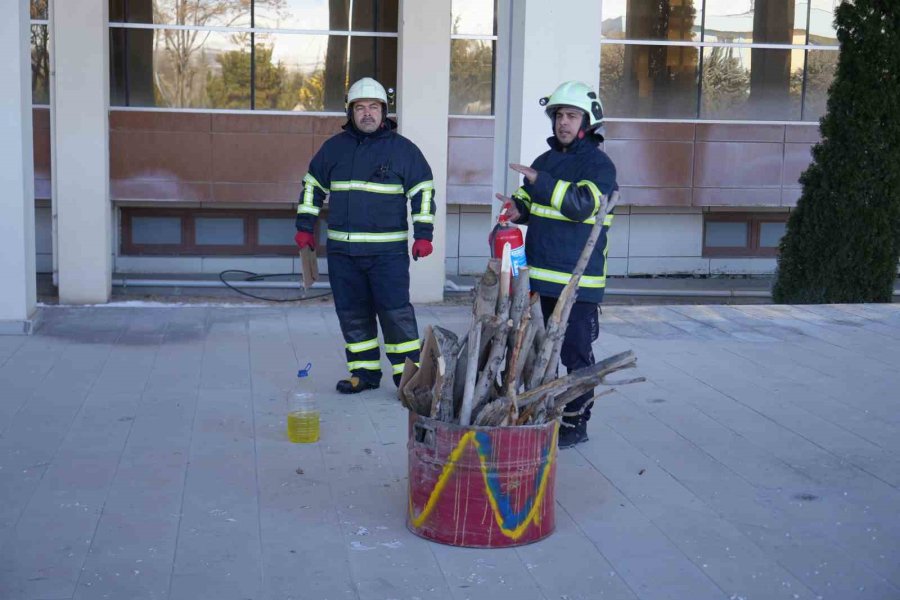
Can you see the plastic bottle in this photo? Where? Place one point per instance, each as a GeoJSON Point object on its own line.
{"type": "Point", "coordinates": [303, 414]}
{"type": "Point", "coordinates": [505, 232]}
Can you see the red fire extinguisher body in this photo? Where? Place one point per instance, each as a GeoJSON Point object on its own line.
{"type": "Point", "coordinates": [508, 233]}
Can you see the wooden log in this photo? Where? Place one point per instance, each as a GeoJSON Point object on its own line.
{"type": "Point", "coordinates": [442, 403]}
{"type": "Point", "coordinates": [558, 404]}
{"type": "Point", "coordinates": [535, 324]}
{"type": "Point", "coordinates": [592, 375]}
{"type": "Point", "coordinates": [511, 385]}
{"type": "Point", "coordinates": [459, 378]}
{"type": "Point", "coordinates": [517, 309]}
{"type": "Point", "coordinates": [545, 365]}
{"type": "Point", "coordinates": [520, 297]}
{"type": "Point", "coordinates": [540, 333]}
{"type": "Point", "coordinates": [494, 414]}
{"type": "Point", "coordinates": [484, 305]}
{"type": "Point", "coordinates": [498, 343]}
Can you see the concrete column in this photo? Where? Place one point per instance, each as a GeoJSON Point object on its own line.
{"type": "Point", "coordinates": [17, 251]}
{"type": "Point", "coordinates": [81, 156]}
{"type": "Point", "coordinates": [541, 43]}
{"type": "Point", "coordinates": [423, 104]}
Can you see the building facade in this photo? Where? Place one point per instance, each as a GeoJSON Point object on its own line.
{"type": "Point", "coordinates": [171, 136]}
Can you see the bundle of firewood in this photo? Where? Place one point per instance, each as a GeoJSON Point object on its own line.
{"type": "Point", "coordinates": [503, 370]}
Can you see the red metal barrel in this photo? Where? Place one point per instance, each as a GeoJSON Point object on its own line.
{"type": "Point", "coordinates": [481, 487]}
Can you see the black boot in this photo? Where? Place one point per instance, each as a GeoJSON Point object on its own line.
{"type": "Point", "coordinates": [355, 385]}
{"type": "Point", "coordinates": [397, 377]}
{"type": "Point", "coordinates": [572, 431]}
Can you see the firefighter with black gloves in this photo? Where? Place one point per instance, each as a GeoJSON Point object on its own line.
{"type": "Point", "coordinates": [369, 172]}
{"type": "Point", "coordinates": [559, 200]}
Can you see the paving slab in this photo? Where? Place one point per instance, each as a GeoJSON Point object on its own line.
{"type": "Point", "coordinates": [143, 455]}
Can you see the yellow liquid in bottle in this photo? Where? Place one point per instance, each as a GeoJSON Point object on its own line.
{"type": "Point", "coordinates": [303, 426]}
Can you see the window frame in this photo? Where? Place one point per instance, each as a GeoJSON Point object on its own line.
{"type": "Point", "coordinates": [752, 248]}
{"type": "Point", "coordinates": [189, 246]}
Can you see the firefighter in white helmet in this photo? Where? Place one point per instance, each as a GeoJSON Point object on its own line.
{"type": "Point", "coordinates": [369, 173]}
{"type": "Point", "coordinates": [559, 200]}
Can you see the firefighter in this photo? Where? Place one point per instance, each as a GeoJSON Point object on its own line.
{"type": "Point", "coordinates": [559, 200]}
{"type": "Point", "coordinates": [369, 172]}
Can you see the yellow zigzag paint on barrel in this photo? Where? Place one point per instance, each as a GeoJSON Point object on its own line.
{"type": "Point", "coordinates": [464, 441]}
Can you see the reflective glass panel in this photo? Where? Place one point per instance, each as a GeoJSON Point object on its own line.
{"type": "Point", "coordinates": [649, 81]}
{"type": "Point", "coordinates": [770, 234]}
{"type": "Point", "coordinates": [375, 15]}
{"type": "Point", "coordinates": [755, 84]}
{"type": "Point", "coordinates": [40, 65]}
{"type": "Point", "coordinates": [758, 21]}
{"type": "Point", "coordinates": [320, 15]}
{"type": "Point", "coordinates": [652, 19]}
{"type": "Point", "coordinates": [726, 234]}
{"type": "Point", "coordinates": [473, 17]}
{"type": "Point", "coordinates": [820, 69]}
{"type": "Point", "coordinates": [821, 22]}
{"type": "Point", "coordinates": [330, 15]}
{"type": "Point", "coordinates": [180, 68]}
{"type": "Point", "coordinates": [39, 9]}
{"type": "Point", "coordinates": [290, 70]}
{"type": "Point", "coordinates": [156, 230]}
{"type": "Point", "coordinates": [276, 232]}
{"type": "Point", "coordinates": [219, 231]}
{"type": "Point", "coordinates": [204, 13]}
{"type": "Point", "coordinates": [471, 77]}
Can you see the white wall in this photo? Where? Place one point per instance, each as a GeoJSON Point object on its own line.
{"type": "Point", "coordinates": [17, 249]}
{"type": "Point", "coordinates": [531, 63]}
{"type": "Point", "coordinates": [422, 111]}
{"type": "Point", "coordinates": [81, 151]}
{"type": "Point", "coordinates": [642, 241]}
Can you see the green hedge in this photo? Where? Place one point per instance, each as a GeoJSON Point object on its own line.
{"type": "Point", "coordinates": [843, 240]}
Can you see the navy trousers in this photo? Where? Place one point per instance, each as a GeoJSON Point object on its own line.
{"type": "Point", "coordinates": [370, 287]}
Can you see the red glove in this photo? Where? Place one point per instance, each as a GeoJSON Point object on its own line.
{"type": "Point", "coordinates": [421, 249]}
{"type": "Point", "coordinates": [304, 239]}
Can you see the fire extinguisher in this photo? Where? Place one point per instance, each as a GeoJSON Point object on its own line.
{"type": "Point", "coordinates": [505, 232]}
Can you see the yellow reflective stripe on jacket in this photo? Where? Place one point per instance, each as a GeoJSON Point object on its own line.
{"type": "Point", "coordinates": [425, 185]}
{"type": "Point", "coordinates": [366, 186]}
{"type": "Point", "coordinates": [370, 365]}
{"type": "Point", "coordinates": [540, 210]}
{"type": "Point", "coordinates": [521, 195]}
{"type": "Point", "coordinates": [595, 192]}
{"type": "Point", "coordinates": [398, 369]}
{"type": "Point", "coordinates": [587, 281]}
{"type": "Point", "coordinates": [308, 178]}
{"type": "Point", "coordinates": [308, 209]}
{"type": "Point", "coordinates": [402, 347]}
{"type": "Point", "coordinates": [353, 237]}
{"type": "Point", "coordinates": [425, 208]}
{"type": "Point", "coordinates": [427, 189]}
{"type": "Point", "coordinates": [362, 346]}
{"type": "Point", "coordinates": [559, 192]}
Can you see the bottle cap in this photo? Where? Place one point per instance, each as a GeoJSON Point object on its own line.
{"type": "Point", "coordinates": [305, 372]}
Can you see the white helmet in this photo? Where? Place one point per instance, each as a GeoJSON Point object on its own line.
{"type": "Point", "coordinates": [367, 88]}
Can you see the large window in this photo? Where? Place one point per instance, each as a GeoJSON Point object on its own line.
{"type": "Point", "coordinates": [473, 42]}
{"type": "Point", "coordinates": [40, 53]}
{"type": "Point", "coordinates": [288, 55]}
{"type": "Point", "coordinates": [759, 60]}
